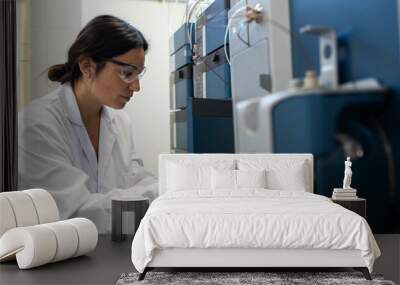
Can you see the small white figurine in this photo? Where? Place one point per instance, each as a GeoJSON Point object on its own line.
{"type": "Point", "coordinates": [347, 174]}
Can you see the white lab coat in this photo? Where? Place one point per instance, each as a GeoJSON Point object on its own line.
{"type": "Point", "coordinates": [55, 153]}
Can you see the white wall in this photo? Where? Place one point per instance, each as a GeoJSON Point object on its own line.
{"type": "Point", "coordinates": [54, 26]}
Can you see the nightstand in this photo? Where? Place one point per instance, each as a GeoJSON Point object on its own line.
{"type": "Point", "coordinates": [139, 205]}
{"type": "Point", "coordinates": [358, 206]}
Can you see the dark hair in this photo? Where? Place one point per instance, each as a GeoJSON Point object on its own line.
{"type": "Point", "coordinates": [103, 37]}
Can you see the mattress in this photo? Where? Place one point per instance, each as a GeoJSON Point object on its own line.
{"type": "Point", "coordinates": [250, 218]}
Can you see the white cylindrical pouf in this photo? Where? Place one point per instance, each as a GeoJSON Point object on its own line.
{"type": "Point", "coordinates": [45, 205]}
{"type": "Point", "coordinates": [23, 207]}
{"type": "Point", "coordinates": [67, 240]}
{"type": "Point", "coordinates": [34, 246]}
{"type": "Point", "coordinates": [87, 234]}
{"type": "Point", "coordinates": [7, 218]}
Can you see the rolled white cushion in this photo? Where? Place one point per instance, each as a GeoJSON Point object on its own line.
{"type": "Point", "coordinates": [40, 244]}
{"type": "Point", "coordinates": [23, 208]}
{"type": "Point", "coordinates": [87, 235]}
{"type": "Point", "coordinates": [7, 218]}
{"type": "Point", "coordinates": [46, 207]}
{"type": "Point", "coordinates": [33, 246]}
{"type": "Point", "coordinates": [67, 240]}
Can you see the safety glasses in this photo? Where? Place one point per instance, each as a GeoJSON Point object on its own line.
{"type": "Point", "coordinates": [128, 72]}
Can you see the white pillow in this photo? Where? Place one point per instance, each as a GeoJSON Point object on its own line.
{"type": "Point", "coordinates": [251, 178]}
{"type": "Point", "coordinates": [237, 179]}
{"type": "Point", "coordinates": [290, 179]}
{"type": "Point", "coordinates": [188, 175]}
{"type": "Point", "coordinates": [281, 174]}
{"type": "Point", "coordinates": [223, 179]}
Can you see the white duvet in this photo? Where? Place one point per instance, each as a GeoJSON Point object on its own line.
{"type": "Point", "coordinates": [250, 219]}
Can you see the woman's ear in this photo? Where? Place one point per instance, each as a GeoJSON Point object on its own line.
{"type": "Point", "coordinates": [87, 67]}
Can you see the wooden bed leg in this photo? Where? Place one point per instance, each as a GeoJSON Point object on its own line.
{"type": "Point", "coordinates": [143, 274]}
{"type": "Point", "coordinates": [364, 271]}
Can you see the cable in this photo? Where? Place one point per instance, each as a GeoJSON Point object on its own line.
{"type": "Point", "coordinates": [186, 19]}
{"type": "Point", "coordinates": [185, 14]}
{"type": "Point", "coordinates": [227, 31]}
{"type": "Point", "coordinates": [189, 16]}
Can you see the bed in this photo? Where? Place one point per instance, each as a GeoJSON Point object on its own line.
{"type": "Point", "coordinates": [245, 211]}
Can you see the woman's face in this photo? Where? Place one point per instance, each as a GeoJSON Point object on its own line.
{"type": "Point", "coordinates": [112, 91]}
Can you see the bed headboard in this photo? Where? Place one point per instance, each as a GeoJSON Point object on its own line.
{"type": "Point", "coordinates": [167, 157]}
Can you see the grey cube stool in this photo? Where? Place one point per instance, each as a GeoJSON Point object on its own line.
{"type": "Point", "coordinates": [139, 205]}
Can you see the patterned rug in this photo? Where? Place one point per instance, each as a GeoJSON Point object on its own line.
{"type": "Point", "coordinates": [243, 278]}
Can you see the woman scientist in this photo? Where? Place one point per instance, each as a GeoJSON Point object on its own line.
{"type": "Point", "coordinates": [76, 142]}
